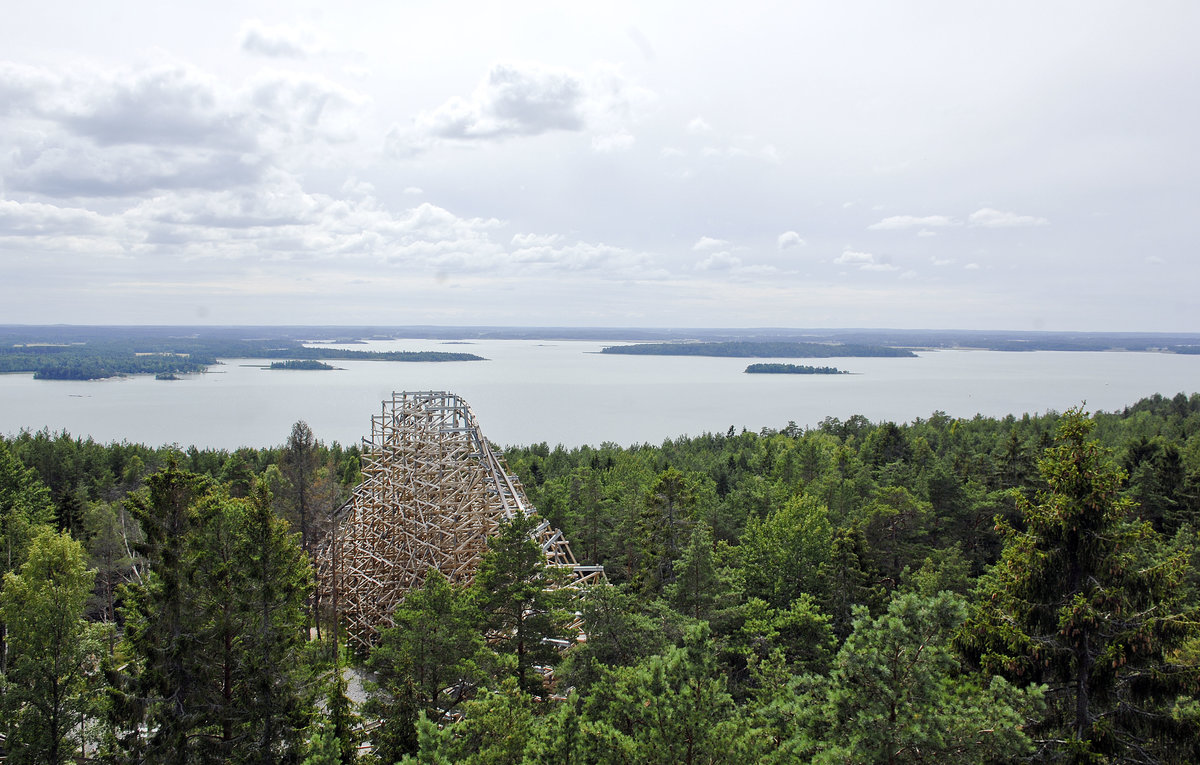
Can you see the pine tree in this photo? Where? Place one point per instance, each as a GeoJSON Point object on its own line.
{"type": "Point", "coordinates": [670, 708]}
{"type": "Point", "coordinates": [522, 613]}
{"type": "Point", "coordinates": [897, 694]}
{"type": "Point", "coordinates": [424, 663]}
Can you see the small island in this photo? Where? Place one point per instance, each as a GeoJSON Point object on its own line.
{"type": "Point", "coordinates": [308, 364]}
{"type": "Point", "coordinates": [792, 369]}
{"type": "Point", "coordinates": [166, 376]}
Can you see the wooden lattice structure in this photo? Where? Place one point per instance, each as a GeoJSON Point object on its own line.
{"type": "Point", "coordinates": [433, 490]}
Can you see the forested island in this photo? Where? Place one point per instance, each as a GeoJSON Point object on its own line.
{"type": "Point", "coordinates": [91, 353]}
{"type": "Point", "coordinates": [303, 364]}
{"type": "Point", "coordinates": [972, 589]}
{"type": "Point", "coordinates": [792, 369]}
{"type": "Point", "coordinates": [759, 350]}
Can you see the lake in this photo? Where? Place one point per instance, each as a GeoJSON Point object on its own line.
{"type": "Point", "coordinates": [566, 392]}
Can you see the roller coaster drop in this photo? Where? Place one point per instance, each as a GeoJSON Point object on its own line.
{"type": "Point", "coordinates": [433, 491]}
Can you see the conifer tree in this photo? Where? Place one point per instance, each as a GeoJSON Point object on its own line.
{"type": "Point", "coordinates": [162, 627]}
{"type": "Point", "coordinates": [272, 595]}
{"type": "Point", "coordinates": [424, 663]}
{"type": "Point", "coordinates": [53, 651]}
{"type": "Point", "coordinates": [521, 612]}
{"type": "Point", "coordinates": [1085, 599]}
{"type": "Point", "coordinates": [897, 694]}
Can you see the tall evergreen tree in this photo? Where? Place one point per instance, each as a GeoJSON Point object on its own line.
{"type": "Point", "coordinates": [53, 651]}
{"type": "Point", "coordinates": [424, 663]}
{"type": "Point", "coordinates": [162, 627]}
{"type": "Point", "coordinates": [521, 612]}
{"type": "Point", "coordinates": [1085, 599]}
{"type": "Point", "coordinates": [271, 597]}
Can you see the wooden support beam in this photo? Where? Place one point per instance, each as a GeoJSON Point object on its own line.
{"type": "Point", "coordinates": [433, 490]}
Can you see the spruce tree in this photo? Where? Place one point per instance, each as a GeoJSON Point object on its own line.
{"type": "Point", "coordinates": [1086, 599]}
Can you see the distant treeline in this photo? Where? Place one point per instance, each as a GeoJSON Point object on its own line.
{"type": "Point", "coordinates": [304, 364]}
{"type": "Point", "coordinates": [791, 369]}
{"type": "Point", "coordinates": [155, 352]}
{"type": "Point", "coordinates": [759, 350]}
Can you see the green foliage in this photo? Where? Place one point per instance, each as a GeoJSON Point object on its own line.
{"type": "Point", "coordinates": [773, 543]}
{"type": "Point", "coordinates": [302, 364]}
{"type": "Point", "coordinates": [896, 694]}
{"type": "Point", "coordinates": [52, 652]}
{"type": "Point", "coordinates": [521, 614]}
{"type": "Point", "coordinates": [25, 505]}
{"type": "Point", "coordinates": [791, 369]}
{"type": "Point", "coordinates": [1089, 601]}
{"type": "Point", "coordinates": [216, 626]}
{"type": "Point", "coordinates": [424, 664]}
{"type": "Point", "coordinates": [669, 708]}
{"type": "Point", "coordinates": [782, 555]}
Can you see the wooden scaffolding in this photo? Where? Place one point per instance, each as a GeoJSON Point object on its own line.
{"type": "Point", "coordinates": [433, 490]}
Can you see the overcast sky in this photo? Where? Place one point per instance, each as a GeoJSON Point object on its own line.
{"type": "Point", "coordinates": [999, 165]}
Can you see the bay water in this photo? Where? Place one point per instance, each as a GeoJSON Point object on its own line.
{"type": "Point", "coordinates": [566, 392]}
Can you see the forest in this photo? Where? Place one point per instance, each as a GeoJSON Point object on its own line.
{"type": "Point", "coordinates": [760, 350]}
{"type": "Point", "coordinates": [92, 353]}
{"type": "Point", "coordinates": [792, 369]}
{"type": "Point", "coordinates": [966, 590]}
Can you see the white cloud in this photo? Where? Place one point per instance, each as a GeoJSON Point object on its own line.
{"type": "Point", "coordinates": [281, 41]}
{"type": "Point", "coordinates": [162, 106]}
{"type": "Point", "coordinates": [699, 127]}
{"type": "Point", "coordinates": [854, 258]}
{"type": "Point", "coordinates": [971, 267]}
{"type": "Point", "coordinates": [414, 191]}
{"type": "Point", "coordinates": [912, 221]}
{"type": "Point", "coordinates": [991, 218]}
{"type": "Point", "coordinates": [535, 240]}
{"type": "Point", "coordinates": [306, 107]}
{"type": "Point", "coordinates": [1155, 260]}
{"type": "Point", "coordinates": [707, 243]}
{"type": "Point", "coordinates": [940, 261]}
{"type": "Point", "coordinates": [529, 99]}
{"type": "Point", "coordinates": [864, 261]}
{"type": "Point", "coordinates": [719, 261]}
{"type": "Point", "coordinates": [789, 239]}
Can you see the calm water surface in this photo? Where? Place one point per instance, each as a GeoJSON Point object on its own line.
{"type": "Point", "coordinates": [565, 392]}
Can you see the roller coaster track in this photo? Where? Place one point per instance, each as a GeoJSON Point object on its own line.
{"type": "Point", "coordinates": [433, 491]}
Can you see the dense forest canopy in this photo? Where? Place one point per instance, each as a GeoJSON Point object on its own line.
{"type": "Point", "coordinates": [949, 589]}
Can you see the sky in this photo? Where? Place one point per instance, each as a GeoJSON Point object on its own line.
{"type": "Point", "coordinates": [953, 165]}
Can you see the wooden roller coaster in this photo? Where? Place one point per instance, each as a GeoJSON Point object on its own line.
{"type": "Point", "coordinates": [433, 490]}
